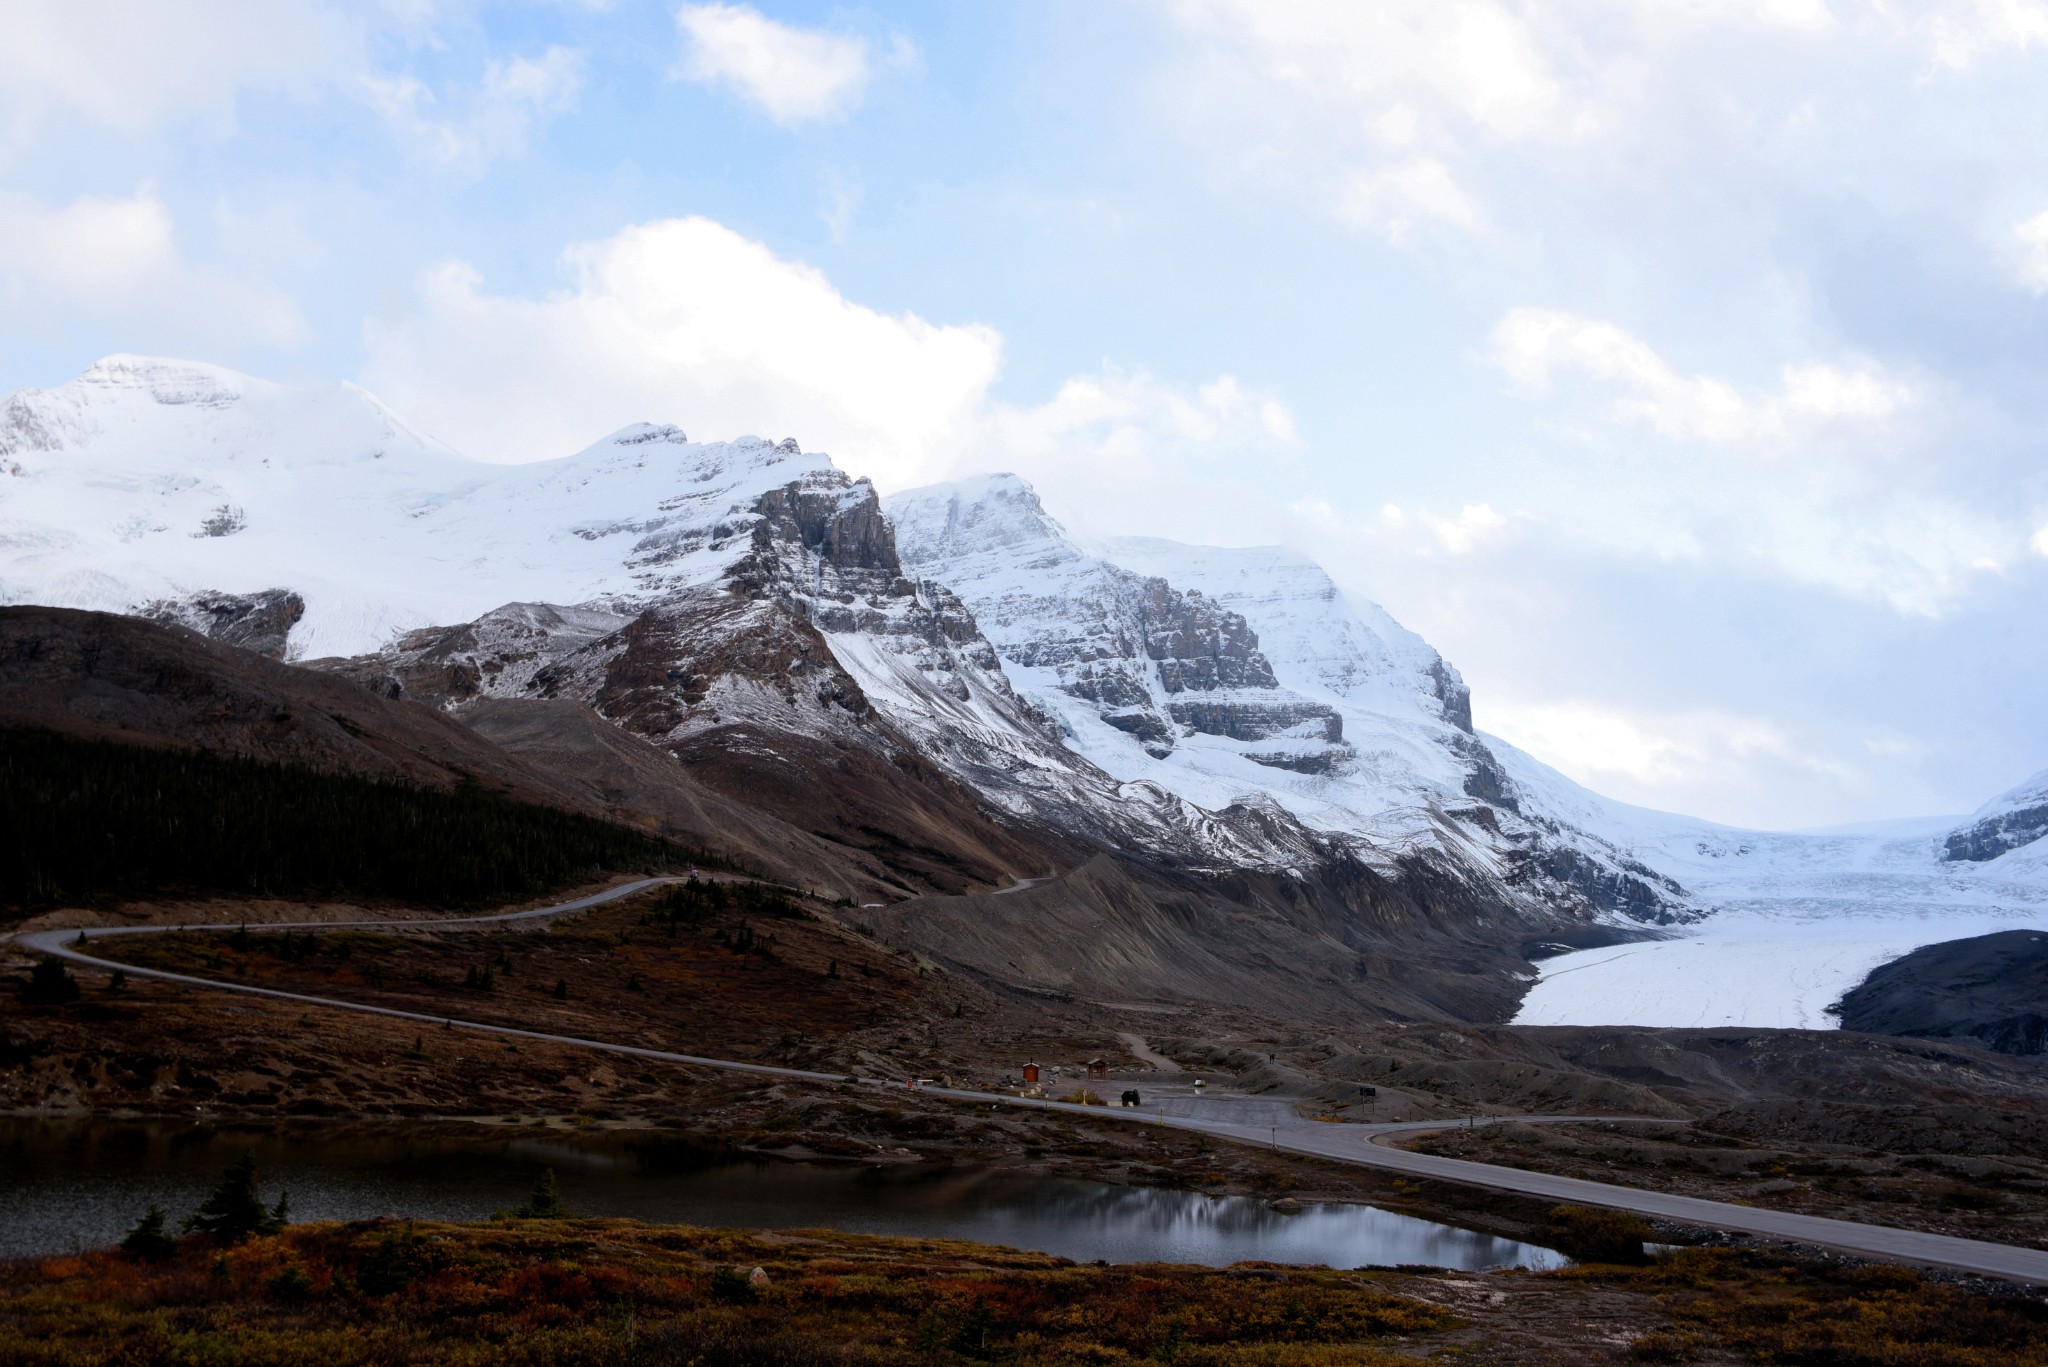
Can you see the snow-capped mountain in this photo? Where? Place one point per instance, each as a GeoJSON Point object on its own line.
{"type": "Point", "coordinates": [148, 482]}
{"type": "Point", "coordinates": [680, 587]}
{"type": "Point", "coordinates": [2016, 817]}
{"type": "Point", "coordinates": [1146, 653]}
{"type": "Point", "coordinates": [950, 686]}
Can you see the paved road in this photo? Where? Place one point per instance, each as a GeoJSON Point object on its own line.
{"type": "Point", "coordinates": [1360, 1144]}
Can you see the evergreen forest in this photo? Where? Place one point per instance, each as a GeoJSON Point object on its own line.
{"type": "Point", "coordinates": [84, 821]}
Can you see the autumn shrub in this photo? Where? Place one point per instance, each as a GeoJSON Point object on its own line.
{"type": "Point", "coordinates": [1593, 1234]}
{"type": "Point", "coordinates": [724, 1343]}
{"type": "Point", "coordinates": [1819, 1315]}
{"type": "Point", "coordinates": [391, 1264]}
{"type": "Point", "coordinates": [730, 1286]}
{"type": "Point", "coordinates": [599, 1293]}
{"type": "Point", "coordinates": [291, 1285]}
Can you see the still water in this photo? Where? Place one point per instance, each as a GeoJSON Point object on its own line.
{"type": "Point", "coordinates": [67, 1185]}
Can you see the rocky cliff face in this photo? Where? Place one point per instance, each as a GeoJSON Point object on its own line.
{"type": "Point", "coordinates": [1154, 662]}
{"type": "Point", "coordinates": [2012, 819]}
{"type": "Point", "coordinates": [261, 621]}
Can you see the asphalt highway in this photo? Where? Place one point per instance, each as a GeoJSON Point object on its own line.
{"type": "Point", "coordinates": [1345, 1143]}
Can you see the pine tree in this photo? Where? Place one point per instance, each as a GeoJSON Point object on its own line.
{"type": "Point", "coordinates": [545, 1201]}
{"type": "Point", "coordinates": [147, 1242]}
{"type": "Point", "coordinates": [236, 1211]}
{"type": "Point", "coordinates": [49, 984]}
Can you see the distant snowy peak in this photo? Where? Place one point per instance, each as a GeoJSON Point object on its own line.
{"type": "Point", "coordinates": [1319, 638]}
{"type": "Point", "coordinates": [173, 488]}
{"type": "Point", "coordinates": [141, 408]}
{"type": "Point", "coordinates": [2014, 818]}
{"type": "Point", "coordinates": [1150, 660]}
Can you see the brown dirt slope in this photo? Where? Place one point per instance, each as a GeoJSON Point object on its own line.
{"type": "Point", "coordinates": [1337, 944]}
{"type": "Point", "coordinates": [107, 677]}
{"type": "Point", "coordinates": [796, 737]}
{"type": "Point", "coordinates": [637, 781]}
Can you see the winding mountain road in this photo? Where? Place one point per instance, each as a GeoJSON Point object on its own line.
{"type": "Point", "coordinates": [1365, 1145]}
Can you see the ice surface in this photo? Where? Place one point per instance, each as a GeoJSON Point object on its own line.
{"type": "Point", "coordinates": [1798, 918]}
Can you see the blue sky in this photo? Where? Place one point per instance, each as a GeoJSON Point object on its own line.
{"type": "Point", "coordinates": [1675, 366]}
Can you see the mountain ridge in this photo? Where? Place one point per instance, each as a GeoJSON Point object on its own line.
{"type": "Point", "coordinates": [942, 683]}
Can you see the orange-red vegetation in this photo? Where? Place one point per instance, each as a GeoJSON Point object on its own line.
{"type": "Point", "coordinates": [574, 1292]}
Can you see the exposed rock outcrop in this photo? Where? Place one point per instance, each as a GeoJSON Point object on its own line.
{"type": "Point", "coordinates": [261, 622]}
{"type": "Point", "coordinates": [1990, 989]}
{"type": "Point", "coordinates": [2012, 819]}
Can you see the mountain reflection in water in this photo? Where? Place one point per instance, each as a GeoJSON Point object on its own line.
{"type": "Point", "coordinates": [79, 1184]}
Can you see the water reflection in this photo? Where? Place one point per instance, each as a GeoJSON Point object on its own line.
{"type": "Point", "coordinates": [79, 1184]}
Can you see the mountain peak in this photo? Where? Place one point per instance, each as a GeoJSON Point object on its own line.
{"type": "Point", "coordinates": [167, 381]}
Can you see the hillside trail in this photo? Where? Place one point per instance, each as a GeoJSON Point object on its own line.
{"type": "Point", "coordinates": [1143, 1052]}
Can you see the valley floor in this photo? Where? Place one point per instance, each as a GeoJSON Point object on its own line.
{"type": "Point", "coordinates": [587, 1293]}
{"type": "Point", "coordinates": [800, 988]}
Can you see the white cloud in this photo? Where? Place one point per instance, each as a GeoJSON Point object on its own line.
{"type": "Point", "coordinates": [2029, 251]}
{"type": "Point", "coordinates": [1788, 14]}
{"type": "Point", "coordinates": [1122, 451]}
{"type": "Point", "coordinates": [1845, 479]}
{"type": "Point", "coordinates": [839, 195]}
{"type": "Point", "coordinates": [794, 75]}
{"type": "Point", "coordinates": [1361, 108]}
{"type": "Point", "coordinates": [684, 321]}
{"type": "Point", "coordinates": [1599, 744]}
{"type": "Point", "coordinates": [494, 119]}
{"type": "Point", "coordinates": [133, 65]}
{"type": "Point", "coordinates": [1962, 31]}
{"type": "Point", "coordinates": [1534, 346]}
{"type": "Point", "coordinates": [1522, 109]}
{"type": "Point", "coordinates": [1477, 61]}
{"type": "Point", "coordinates": [2039, 543]}
{"type": "Point", "coordinates": [1392, 201]}
{"type": "Point", "coordinates": [1473, 524]}
{"type": "Point", "coordinates": [127, 64]}
{"type": "Point", "coordinates": [118, 260]}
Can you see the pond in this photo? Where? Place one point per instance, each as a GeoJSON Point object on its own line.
{"type": "Point", "coordinates": [68, 1185]}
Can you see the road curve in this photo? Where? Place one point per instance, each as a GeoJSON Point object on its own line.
{"type": "Point", "coordinates": [1359, 1144]}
